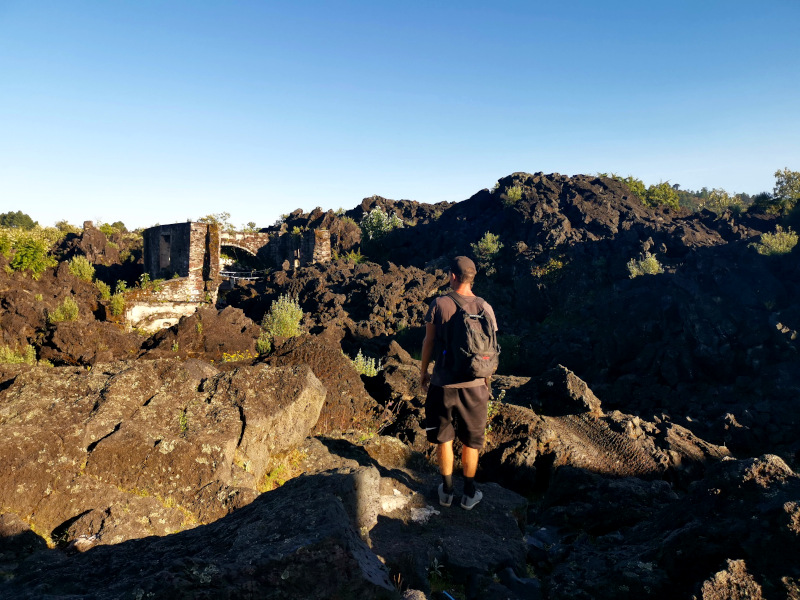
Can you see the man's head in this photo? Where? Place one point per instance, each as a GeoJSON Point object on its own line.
{"type": "Point", "coordinates": [463, 269]}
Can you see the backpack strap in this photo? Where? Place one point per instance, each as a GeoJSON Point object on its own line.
{"type": "Point", "coordinates": [454, 297]}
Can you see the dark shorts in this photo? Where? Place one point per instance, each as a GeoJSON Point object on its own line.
{"type": "Point", "coordinates": [456, 411]}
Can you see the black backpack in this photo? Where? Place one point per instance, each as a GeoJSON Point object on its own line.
{"type": "Point", "coordinates": [472, 339]}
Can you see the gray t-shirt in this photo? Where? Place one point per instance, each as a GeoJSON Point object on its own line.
{"type": "Point", "coordinates": [439, 313]}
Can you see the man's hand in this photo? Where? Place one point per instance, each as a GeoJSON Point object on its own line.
{"type": "Point", "coordinates": [425, 381]}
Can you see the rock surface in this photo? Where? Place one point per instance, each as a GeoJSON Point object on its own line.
{"type": "Point", "coordinates": [126, 450]}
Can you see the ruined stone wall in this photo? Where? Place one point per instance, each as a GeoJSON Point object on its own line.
{"type": "Point", "coordinates": [186, 256]}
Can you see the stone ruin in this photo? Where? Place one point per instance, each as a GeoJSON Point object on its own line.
{"type": "Point", "coordinates": [187, 257]}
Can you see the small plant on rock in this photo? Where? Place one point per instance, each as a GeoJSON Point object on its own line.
{"type": "Point", "coordinates": [486, 251]}
{"type": "Point", "coordinates": [283, 318]}
{"type": "Point", "coordinates": [66, 311]}
{"type": "Point", "coordinates": [9, 356]}
{"type": "Point", "coordinates": [647, 265]}
{"type": "Point", "coordinates": [512, 196]}
{"type": "Point", "coordinates": [366, 365]}
{"type": "Point", "coordinates": [117, 304]}
{"type": "Point", "coordinates": [81, 268]}
{"type": "Point", "coordinates": [780, 242]}
{"type": "Point", "coordinates": [104, 289]}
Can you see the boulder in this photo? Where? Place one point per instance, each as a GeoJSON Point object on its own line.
{"type": "Point", "coordinates": [295, 542]}
{"type": "Point", "coordinates": [130, 449]}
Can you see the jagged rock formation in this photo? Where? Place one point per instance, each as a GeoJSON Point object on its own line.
{"type": "Point", "coordinates": [664, 379]}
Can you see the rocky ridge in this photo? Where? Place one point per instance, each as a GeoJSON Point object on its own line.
{"type": "Point", "coordinates": [640, 419]}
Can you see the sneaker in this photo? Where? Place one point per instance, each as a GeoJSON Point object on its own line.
{"type": "Point", "coordinates": [445, 499]}
{"type": "Point", "coordinates": [468, 503]}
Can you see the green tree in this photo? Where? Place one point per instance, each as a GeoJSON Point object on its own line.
{"type": "Point", "coordinates": [662, 194]}
{"type": "Point", "coordinates": [787, 189]}
{"type": "Point", "coordinates": [17, 219]}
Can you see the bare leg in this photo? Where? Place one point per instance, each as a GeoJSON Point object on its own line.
{"type": "Point", "coordinates": [469, 460]}
{"type": "Point", "coordinates": [446, 458]}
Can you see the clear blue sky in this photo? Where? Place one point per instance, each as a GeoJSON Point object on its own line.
{"type": "Point", "coordinates": [161, 111]}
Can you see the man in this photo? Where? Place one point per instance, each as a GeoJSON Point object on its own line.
{"type": "Point", "coordinates": [451, 399]}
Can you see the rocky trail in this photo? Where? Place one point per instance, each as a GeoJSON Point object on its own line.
{"type": "Point", "coordinates": [642, 440]}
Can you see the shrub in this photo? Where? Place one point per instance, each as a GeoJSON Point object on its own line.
{"type": "Point", "coordinates": [719, 201]}
{"type": "Point", "coordinates": [27, 355]}
{"type": "Point", "coordinates": [5, 244]}
{"type": "Point", "coordinates": [662, 194]}
{"type": "Point", "coordinates": [283, 318]}
{"type": "Point", "coordinates": [355, 257]}
{"type": "Point", "coordinates": [104, 289]}
{"type": "Point", "coordinates": [117, 304]}
{"type": "Point", "coordinates": [66, 311]}
{"type": "Point", "coordinates": [647, 265]}
{"type": "Point", "coordinates": [365, 365]}
{"type": "Point", "coordinates": [486, 250]}
{"type": "Point", "coordinates": [32, 255]}
{"type": "Point", "coordinates": [121, 287]}
{"type": "Point", "coordinates": [81, 268]}
{"type": "Point", "coordinates": [780, 242]}
{"type": "Point", "coordinates": [263, 343]}
{"type": "Point", "coordinates": [513, 195]}
{"type": "Point", "coordinates": [376, 224]}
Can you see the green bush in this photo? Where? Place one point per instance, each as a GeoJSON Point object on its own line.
{"type": "Point", "coordinates": [117, 304]}
{"type": "Point", "coordinates": [780, 242]}
{"type": "Point", "coordinates": [81, 268]}
{"type": "Point", "coordinates": [5, 244]}
{"type": "Point", "coordinates": [66, 311]}
{"type": "Point", "coordinates": [104, 289]}
{"type": "Point", "coordinates": [365, 365]}
{"type": "Point", "coordinates": [719, 201]}
{"type": "Point", "coordinates": [263, 343]}
{"type": "Point", "coordinates": [9, 356]}
{"type": "Point", "coordinates": [355, 257]}
{"type": "Point", "coordinates": [647, 265]}
{"type": "Point", "coordinates": [662, 194]}
{"type": "Point", "coordinates": [486, 251]}
{"type": "Point", "coordinates": [283, 318]}
{"type": "Point", "coordinates": [513, 195]}
{"type": "Point", "coordinates": [32, 255]}
{"type": "Point", "coordinates": [376, 224]}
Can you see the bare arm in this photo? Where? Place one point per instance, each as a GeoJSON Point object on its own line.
{"type": "Point", "coordinates": [427, 354]}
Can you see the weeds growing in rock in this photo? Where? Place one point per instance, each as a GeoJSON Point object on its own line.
{"type": "Point", "coordinates": [283, 318]}
{"type": "Point", "coordinates": [486, 251]}
{"type": "Point", "coordinates": [780, 242]}
{"type": "Point", "coordinates": [104, 289]}
{"type": "Point", "coordinates": [117, 304]}
{"type": "Point", "coordinates": [66, 311]}
{"type": "Point", "coordinates": [81, 268]}
{"type": "Point", "coordinates": [647, 265]}
{"type": "Point", "coordinates": [366, 365]}
{"type": "Point", "coordinates": [512, 196]}
{"type": "Point", "coordinates": [15, 356]}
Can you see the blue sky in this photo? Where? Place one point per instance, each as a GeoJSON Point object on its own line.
{"type": "Point", "coordinates": [156, 111]}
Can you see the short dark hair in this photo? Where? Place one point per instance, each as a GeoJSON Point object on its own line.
{"type": "Point", "coordinates": [464, 269]}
